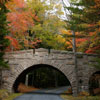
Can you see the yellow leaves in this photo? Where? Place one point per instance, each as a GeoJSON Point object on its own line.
{"type": "Point", "coordinates": [67, 35]}
{"type": "Point", "coordinates": [60, 38]}
{"type": "Point", "coordinates": [36, 28]}
{"type": "Point", "coordinates": [98, 23]}
{"type": "Point", "coordinates": [37, 7]}
{"type": "Point", "coordinates": [84, 93]}
{"type": "Point", "coordinates": [68, 32]}
{"type": "Point", "coordinates": [84, 25]}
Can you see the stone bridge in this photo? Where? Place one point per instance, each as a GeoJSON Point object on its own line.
{"type": "Point", "coordinates": [61, 60]}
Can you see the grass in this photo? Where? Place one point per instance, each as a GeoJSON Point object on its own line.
{"type": "Point", "coordinates": [2, 91]}
{"type": "Point", "coordinates": [69, 97]}
{"type": "Point", "coordinates": [5, 95]}
{"type": "Point", "coordinates": [12, 96]}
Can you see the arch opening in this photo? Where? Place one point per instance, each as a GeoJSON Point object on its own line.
{"type": "Point", "coordinates": [41, 76]}
{"type": "Point", "coordinates": [94, 83]}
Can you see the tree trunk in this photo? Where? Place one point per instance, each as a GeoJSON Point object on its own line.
{"type": "Point", "coordinates": [75, 61]}
{"type": "Point", "coordinates": [26, 80]}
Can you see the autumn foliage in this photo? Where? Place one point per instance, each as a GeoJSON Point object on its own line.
{"type": "Point", "coordinates": [20, 20]}
{"type": "Point", "coordinates": [14, 45]}
{"type": "Point", "coordinates": [85, 20]}
{"type": "Point", "coordinates": [29, 26]}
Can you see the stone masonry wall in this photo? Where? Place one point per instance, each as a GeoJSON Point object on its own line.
{"type": "Point", "coordinates": [62, 60]}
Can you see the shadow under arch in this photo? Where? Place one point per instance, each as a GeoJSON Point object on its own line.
{"type": "Point", "coordinates": [63, 81]}
{"type": "Point", "coordinates": [94, 83]}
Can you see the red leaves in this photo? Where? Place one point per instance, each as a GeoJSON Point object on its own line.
{"type": "Point", "coordinates": [14, 5]}
{"type": "Point", "coordinates": [13, 44]}
{"type": "Point", "coordinates": [93, 50]}
{"type": "Point", "coordinates": [21, 19]}
{"type": "Point", "coordinates": [81, 40]}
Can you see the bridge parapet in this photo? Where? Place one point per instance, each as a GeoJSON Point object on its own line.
{"type": "Point", "coordinates": [53, 54]}
{"type": "Point", "coordinates": [47, 51]}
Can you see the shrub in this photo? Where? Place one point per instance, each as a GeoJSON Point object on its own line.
{"type": "Point", "coordinates": [84, 93]}
{"type": "Point", "coordinates": [69, 91]}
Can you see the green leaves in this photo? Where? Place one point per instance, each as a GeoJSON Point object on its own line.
{"type": "Point", "coordinates": [3, 32]}
{"type": "Point", "coordinates": [48, 27]}
{"type": "Point", "coordinates": [84, 17]}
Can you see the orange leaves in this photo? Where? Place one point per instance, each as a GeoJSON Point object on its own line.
{"type": "Point", "coordinates": [21, 19]}
{"type": "Point", "coordinates": [35, 43]}
{"type": "Point", "coordinates": [14, 5]}
{"type": "Point", "coordinates": [13, 44]}
{"type": "Point", "coordinates": [68, 38]}
{"type": "Point", "coordinates": [93, 50]}
{"type": "Point", "coordinates": [89, 44]}
{"type": "Point", "coordinates": [80, 40]}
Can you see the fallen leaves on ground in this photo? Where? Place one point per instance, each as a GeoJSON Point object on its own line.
{"type": "Point", "coordinates": [24, 89]}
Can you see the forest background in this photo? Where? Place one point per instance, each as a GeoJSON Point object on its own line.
{"type": "Point", "coordinates": [38, 24]}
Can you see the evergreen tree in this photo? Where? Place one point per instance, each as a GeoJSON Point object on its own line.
{"type": "Point", "coordinates": [85, 18]}
{"type": "Point", "coordinates": [3, 41]}
{"type": "Point", "coordinates": [82, 16]}
{"type": "Point", "coordinates": [3, 32]}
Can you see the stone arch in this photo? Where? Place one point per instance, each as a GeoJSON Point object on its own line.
{"type": "Point", "coordinates": [39, 66]}
{"type": "Point", "coordinates": [93, 80]}
{"type": "Point", "coordinates": [28, 63]}
{"type": "Point", "coordinates": [90, 73]}
{"type": "Point", "coordinates": [93, 72]}
{"type": "Point", "coordinates": [87, 73]}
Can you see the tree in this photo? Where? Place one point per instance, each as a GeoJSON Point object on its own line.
{"type": "Point", "coordinates": [35, 22]}
{"type": "Point", "coordinates": [47, 29]}
{"type": "Point", "coordinates": [71, 25]}
{"type": "Point", "coordinates": [4, 43]}
{"type": "Point", "coordinates": [85, 20]}
{"type": "Point", "coordinates": [20, 20]}
{"type": "Point", "coordinates": [3, 33]}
